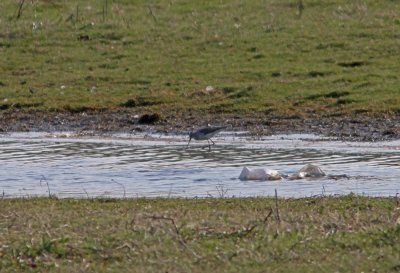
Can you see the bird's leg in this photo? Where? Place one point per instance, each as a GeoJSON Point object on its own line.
{"type": "Point", "coordinates": [212, 141]}
{"type": "Point", "coordinates": [188, 143]}
{"type": "Point", "coordinates": [209, 145]}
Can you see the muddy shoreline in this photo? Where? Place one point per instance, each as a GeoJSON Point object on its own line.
{"type": "Point", "coordinates": [348, 127]}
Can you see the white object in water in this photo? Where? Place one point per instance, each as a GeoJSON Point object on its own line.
{"type": "Point", "coordinates": [259, 174]}
{"type": "Point", "coordinates": [308, 170]}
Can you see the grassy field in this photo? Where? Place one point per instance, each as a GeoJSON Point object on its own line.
{"type": "Point", "coordinates": [331, 57]}
{"type": "Point", "coordinates": [326, 234]}
{"type": "Point", "coordinates": [264, 56]}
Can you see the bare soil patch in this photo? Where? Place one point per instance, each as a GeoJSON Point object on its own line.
{"type": "Point", "coordinates": [355, 127]}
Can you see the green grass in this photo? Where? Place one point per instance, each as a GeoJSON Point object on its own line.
{"type": "Point", "coordinates": [260, 56]}
{"type": "Point", "coordinates": [326, 234]}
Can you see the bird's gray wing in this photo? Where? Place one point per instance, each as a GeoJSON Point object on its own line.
{"type": "Point", "coordinates": [209, 130]}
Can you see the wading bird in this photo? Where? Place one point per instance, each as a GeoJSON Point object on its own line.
{"type": "Point", "coordinates": [205, 133]}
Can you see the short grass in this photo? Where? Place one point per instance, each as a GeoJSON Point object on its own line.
{"type": "Point", "coordinates": [333, 57]}
{"type": "Point", "coordinates": [325, 234]}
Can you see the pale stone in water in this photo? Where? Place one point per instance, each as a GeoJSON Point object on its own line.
{"type": "Point", "coordinates": [259, 174]}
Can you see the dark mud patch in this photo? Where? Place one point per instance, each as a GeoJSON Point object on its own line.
{"type": "Point", "coordinates": [333, 94]}
{"type": "Point", "coordinates": [356, 127]}
{"type": "Point", "coordinates": [150, 118]}
{"type": "Point", "coordinates": [352, 64]}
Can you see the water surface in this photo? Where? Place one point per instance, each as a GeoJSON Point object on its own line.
{"type": "Point", "coordinates": [33, 164]}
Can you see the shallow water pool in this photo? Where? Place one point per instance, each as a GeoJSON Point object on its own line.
{"type": "Point", "coordinates": [34, 164]}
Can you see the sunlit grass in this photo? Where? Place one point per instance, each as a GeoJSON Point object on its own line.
{"type": "Point", "coordinates": [258, 55]}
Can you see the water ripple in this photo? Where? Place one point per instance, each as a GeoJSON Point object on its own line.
{"type": "Point", "coordinates": [110, 167]}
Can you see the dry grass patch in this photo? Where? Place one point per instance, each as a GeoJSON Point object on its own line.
{"type": "Point", "coordinates": [178, 235]}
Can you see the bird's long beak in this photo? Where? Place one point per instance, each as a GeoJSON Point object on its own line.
{"type": "Point", "coordinates": [190, 138]}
